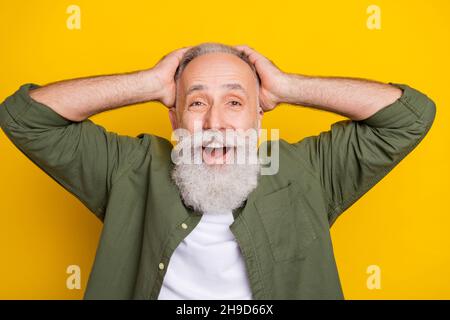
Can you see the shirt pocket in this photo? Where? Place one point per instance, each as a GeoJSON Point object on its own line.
{"type": "Point", "coordinates": [287, 222]}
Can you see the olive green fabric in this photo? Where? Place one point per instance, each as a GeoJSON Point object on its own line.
{"type": "Point", "coordinates": [283, 227]}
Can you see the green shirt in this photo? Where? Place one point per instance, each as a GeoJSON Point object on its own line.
{"type": "Point", "coordinates": [283, 227]}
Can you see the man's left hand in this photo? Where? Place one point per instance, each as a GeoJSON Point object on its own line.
{"type": "Point", "coordinates": [273, 80]}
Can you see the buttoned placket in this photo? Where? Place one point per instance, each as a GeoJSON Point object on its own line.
{"type": "Point", "coordinates": [181, 231]}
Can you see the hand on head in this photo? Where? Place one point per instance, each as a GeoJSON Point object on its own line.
{"type": "Point", "coordinates": [272, 78]}
{"type": "Point", "coordinates": [164, 72]}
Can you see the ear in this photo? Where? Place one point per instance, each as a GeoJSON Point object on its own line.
{"type": "Point", "coordinates": [173, 118]}
{"type": "Point", "coordinates": [259, 117]}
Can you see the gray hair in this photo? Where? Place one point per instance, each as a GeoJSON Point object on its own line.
{"type": "Point", "coordinates": [212, 47]}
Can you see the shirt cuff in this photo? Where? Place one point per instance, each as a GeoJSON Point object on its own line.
{"type": "Point", "coordinates": [21, 108]}
{"type": "Point", "coordinates": [412, 104]}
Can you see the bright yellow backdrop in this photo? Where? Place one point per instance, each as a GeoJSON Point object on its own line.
{"type": "Point", "coordinates": [401, 225]}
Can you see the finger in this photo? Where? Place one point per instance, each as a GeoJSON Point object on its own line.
{"type": "Point", "coordinates": [247, 49]}
{"type": "Point", "coordinates": [184, 49]}
{"type": "Point", "coordinates": [177, 54]}
{"type": "Point", "coordinates": [180, 52]}
{"type": "Point", "coordinates": [244, 48]}
{"type": "Point", "coordinates": [252, 54]}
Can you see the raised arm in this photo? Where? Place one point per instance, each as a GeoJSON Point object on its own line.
{"type": "Point", "coordinates": [49, 125]}
{"type": "Point", "coordinates": [354, 98]}
{"type": "Point", "coordinates": [78, 99]}
{"type": "Point", "coordinates": [387, 121]}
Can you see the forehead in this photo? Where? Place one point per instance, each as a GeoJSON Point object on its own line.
{"type": "Point", "coordinates": [214, 70]}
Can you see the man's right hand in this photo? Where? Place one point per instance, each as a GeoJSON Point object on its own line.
{"type": "Point", "coordinates": [163, 73]}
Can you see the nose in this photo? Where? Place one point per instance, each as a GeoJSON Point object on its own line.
{"type": "Point", "coordinates": [213, 119]}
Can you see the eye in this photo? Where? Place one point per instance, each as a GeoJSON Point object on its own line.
{"type": "Point", "coordinates": [235, 103]}
{"type": "Point", "coordinates": [195, 104]}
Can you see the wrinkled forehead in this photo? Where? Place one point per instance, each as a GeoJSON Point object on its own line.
{"type": "Point", "coordinates": [216, 71]}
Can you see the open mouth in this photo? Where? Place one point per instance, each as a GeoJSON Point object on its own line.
{"type": "Point", "coordinates": [216, 150]}
{"type": "Point", "coordinates": [215, 154]}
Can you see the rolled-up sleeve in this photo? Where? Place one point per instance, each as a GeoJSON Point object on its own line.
{"type": "Point", "coordinates": [81, 156]}
{"type": "Point", "coordinates": [353, 156]}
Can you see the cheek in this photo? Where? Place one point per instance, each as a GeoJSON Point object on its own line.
{"type": "Point", "coordinates": [189, 120]}
{"type": "Point", "coordinates": [245, 120]}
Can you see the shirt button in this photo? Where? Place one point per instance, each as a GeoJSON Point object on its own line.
{"type": "Point", "coordinates": [184, 225]}
{"type": "Point", "coordinates": [161, 266]}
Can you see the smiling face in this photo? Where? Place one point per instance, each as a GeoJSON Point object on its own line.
{"type": "Point", "coordinates": [217, 91]}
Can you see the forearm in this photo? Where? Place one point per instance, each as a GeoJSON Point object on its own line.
{"type": "Point", "coordinates": [78, 99]}
{"type": "Point", "coordinates": [354, 98]}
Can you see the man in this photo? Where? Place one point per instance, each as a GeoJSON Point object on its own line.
{"type": "Point", "coordinates": [216, 229]}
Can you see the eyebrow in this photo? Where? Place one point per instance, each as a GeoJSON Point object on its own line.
{"type": "Point", "coordinates": [229, 86]}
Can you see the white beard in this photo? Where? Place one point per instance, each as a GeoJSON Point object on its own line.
{"type": "Point", "coordinates": [215, 188]}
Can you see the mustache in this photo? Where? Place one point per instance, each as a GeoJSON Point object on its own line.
{"type": "Point", "coordinates": [212, 138]}
{"type": "Point", "coordinates": [239, 145]}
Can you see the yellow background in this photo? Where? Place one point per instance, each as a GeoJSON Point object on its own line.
{"type": "Point", "coordinates": [401, 225]}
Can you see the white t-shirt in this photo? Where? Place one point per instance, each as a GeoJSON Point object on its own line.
{"type": "Point", "coordinates": [207, 264]}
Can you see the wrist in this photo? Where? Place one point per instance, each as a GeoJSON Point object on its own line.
{"type": "Point", "coordinates": [149, 85]}
{"type": "Point", "coordinates": [291, 88]}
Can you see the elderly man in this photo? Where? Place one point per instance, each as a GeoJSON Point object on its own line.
{"type": "Point", "coordinates": [216, 229]}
